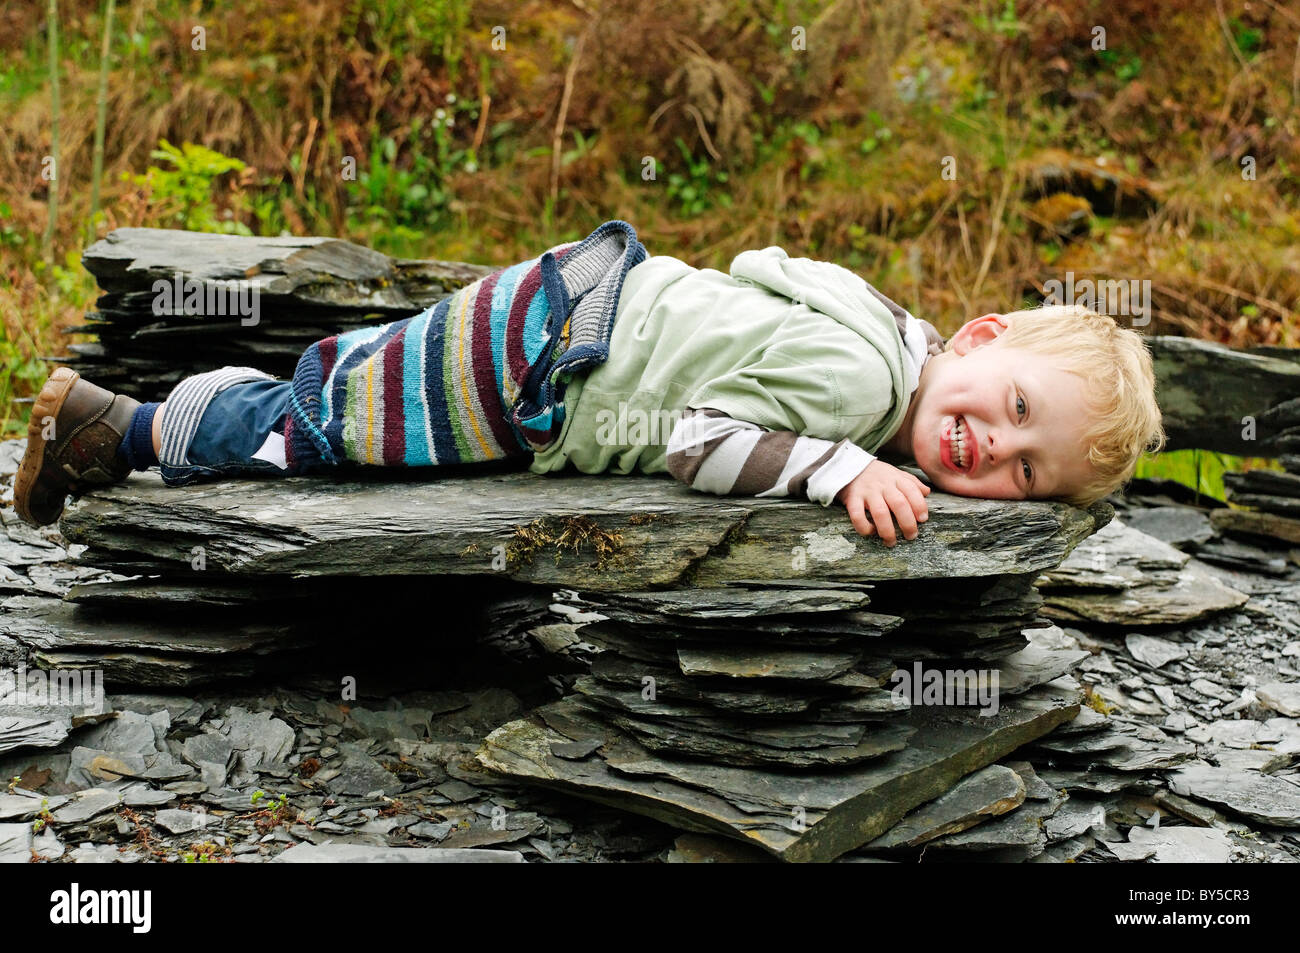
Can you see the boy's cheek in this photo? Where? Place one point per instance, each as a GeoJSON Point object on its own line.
{"type": "Point", "coordinates": [935, 480]}
{"type": "Point", "coordinates": [942, 483]}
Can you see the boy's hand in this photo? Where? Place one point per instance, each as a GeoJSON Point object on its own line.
{"type": "Point", "coordinates": [880, 489]}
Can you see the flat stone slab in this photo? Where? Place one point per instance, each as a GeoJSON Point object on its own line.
{"type": "Point", "coordinates": [1122, 576]}
{"type": "Point", "coordinates": [143, 650]}
{"type": "Point", "coordinates": [1153, 651]}
{"type": "Point", "coordinates": [986, 793]}
{"type": "Point", "coordinates": [1250, 523]}
{"type": "Point", "coordinates": [17, 731]}
{"type": "Point", "coordinates": [1116, 557]}
{"type": "Point", "coordinates": [760, 662]}
{"type": "Point", "coordinates": [602, 533]}
{"type": "Point", "coordinates": [87, 804]}
{"type": "Point", "coordinates": [24, 807]}
{"type": "Point", "coordinates": [1205, 389]}
{"type": "Point", "coordinates": [1283, 697]}
{"type": "Point", "coordinates": [1175, 845]}
{"type": "Point", "coordinates": [795, 815]}
{"type": "Point", "coordinates": [182, 822]}
{"type": "Point", "coordinates": [1194, 594]}
{"type": "Point", "coordinates": [1178, 526]}
{"type": "Point", "coordinates": [1260, 797]}
{"type": "Point", "coordinates": [728, 605]}
{"type": "Point", "coordinates": [1018, 834]}
{"type": "Point", "coordinates": [1120, 747]}
{"type": "Point", "coordinates": [15, 843]}
{"type": "Point", "coordinates": [53, 624]}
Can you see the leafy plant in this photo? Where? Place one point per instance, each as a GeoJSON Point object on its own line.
{"type": "Point", "coordinates": [1199, 470]}
{"type": "Point", "coordinates": [979, 97]}
{"type": "Point", "coordinates": [412, 193]}
{"type": "Point", "coordinates": [17, 365]}
{"type": "Point", "coordinates": [1125, 71]}
{"type": "Point", "coordinates": [431, 26]}
{"type": "Point", "coordinates": [276, 809]}
{"type": "Point", "coordinates": [204, 853]}
{"type": "Point", "coordinates": [880, 135]}
{"type": "Point", "coordinates": [1004, 21]}
{"type": "Point", "coordinates": [696, 190]}
{"type": "Point", "coordinates": [43, 817]}
{"type": "Point", "coordinates": [187, 186]}
{"type": "Point", "coordinates": [8, 234]}
{"type": "Point", "coordinates": [1249, 40]}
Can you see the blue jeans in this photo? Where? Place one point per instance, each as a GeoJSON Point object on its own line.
{"type": "Point", "coordinates": [234, 426]}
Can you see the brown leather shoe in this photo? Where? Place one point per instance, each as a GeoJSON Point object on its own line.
{"type": "Point", "coordinates": [85, 424]}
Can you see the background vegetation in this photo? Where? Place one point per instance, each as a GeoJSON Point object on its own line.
{"type": "Point", "coordinates": [463, 150]}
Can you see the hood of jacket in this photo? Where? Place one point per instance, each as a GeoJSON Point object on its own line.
{"type": "Point", "coordinates": [848, 298]}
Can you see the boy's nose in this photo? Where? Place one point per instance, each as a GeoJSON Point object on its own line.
{"type": "Point", "coordinates": [1003, 444]}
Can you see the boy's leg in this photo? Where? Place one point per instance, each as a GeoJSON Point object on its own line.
{"type": "Point", "coordinates": [155, 428]}
{"type": "Point", "coordinates": [240, 432]}
{"type": "Point", "coordinates": [81, 436]}
{"type": "Point", "coordinates": [185, 411]}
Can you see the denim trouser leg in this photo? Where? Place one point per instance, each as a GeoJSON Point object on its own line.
{"type": "Point", "coordinates": [235, 425]}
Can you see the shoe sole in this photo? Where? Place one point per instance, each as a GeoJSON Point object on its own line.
{"type": "Point", "coordinates": [47, 405]}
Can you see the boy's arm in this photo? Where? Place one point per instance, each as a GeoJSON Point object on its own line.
{"type": "Point", "coordinates": [715, 453]}
{"type": "Point", "coordinates": [712, 452]}
{"type": "Point", "coordinates": [782, 424]}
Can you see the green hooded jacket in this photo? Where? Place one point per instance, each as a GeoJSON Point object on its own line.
{"type": "Point", "coordinates": [789, 344]}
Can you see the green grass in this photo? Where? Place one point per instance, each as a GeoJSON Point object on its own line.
{"type": "Point", "coordinates": [1199, 470]}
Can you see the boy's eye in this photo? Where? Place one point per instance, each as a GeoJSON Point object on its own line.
{"type": "Point", "coordinates": [1028, 471]}
{"type": "Point", "coordinates": [1020, 402]}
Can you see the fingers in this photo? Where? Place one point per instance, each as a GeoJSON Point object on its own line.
{"type": "Point", "coordinates": [853, 503]}
{"type": "Point", "coordinates": [875, 511]}
{"type": "Point", "coordinates": [880, 517]}
{"type": "Point", "coordinates": [917, 499]}
{"type": "Point", "coordinates": [902, 509]}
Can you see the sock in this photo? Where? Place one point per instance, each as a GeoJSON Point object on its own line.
{"type": "Point", "coordinates": [136, 447]}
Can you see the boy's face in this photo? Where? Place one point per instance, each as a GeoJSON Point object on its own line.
{"type": "Point", "coordinates": [1020, 418]}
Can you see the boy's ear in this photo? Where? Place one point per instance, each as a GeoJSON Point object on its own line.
{"type": "Point", "coordinates": [977, 332]}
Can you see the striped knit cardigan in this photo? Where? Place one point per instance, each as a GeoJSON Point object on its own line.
{"type": "Point", "coordinates": [478, 376]}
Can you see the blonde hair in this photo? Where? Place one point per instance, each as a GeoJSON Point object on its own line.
{"type": "Point", "coordinates": [1115, 364]}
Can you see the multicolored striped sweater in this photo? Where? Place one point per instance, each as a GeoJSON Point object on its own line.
{"type": "Point", "coordinates": [479, 376]}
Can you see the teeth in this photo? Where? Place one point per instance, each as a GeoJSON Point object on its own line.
{"type": "Point", "coordinates": [959, 438]}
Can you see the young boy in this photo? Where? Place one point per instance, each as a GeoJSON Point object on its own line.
{"type": "Point", "coordinates": [783, 378]}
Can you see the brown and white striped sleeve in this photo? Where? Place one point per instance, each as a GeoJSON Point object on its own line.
{"type": "Point", "coordinates": [714, 453]}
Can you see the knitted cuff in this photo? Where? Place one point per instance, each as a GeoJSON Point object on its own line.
{"type": "Point", "coordinates": [137, 446]}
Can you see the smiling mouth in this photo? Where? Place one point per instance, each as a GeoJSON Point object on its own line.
{"type": "Point", "coordinates": [957, 445]}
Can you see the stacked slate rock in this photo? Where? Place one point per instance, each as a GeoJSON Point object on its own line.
{"type": "Point", "coordinates": [772, 723]}
{"type": "Point", "coordinates": [1272, 498]}
{"type": "Point", "coordinates": [769, 678]}
{"type": "Point", "coordinates": [1122, 576]}
{"type": "Point", "coordinates": [732, 688]}
{"type": "Point", "coordinates": [778, 715]}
